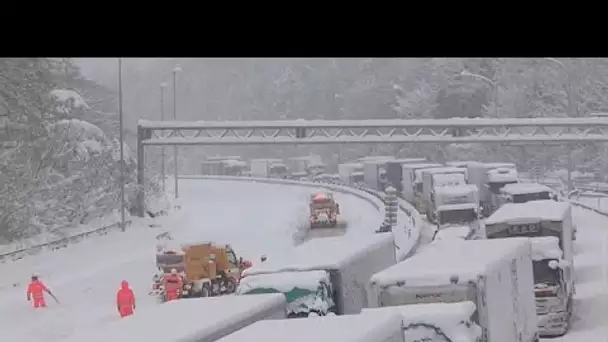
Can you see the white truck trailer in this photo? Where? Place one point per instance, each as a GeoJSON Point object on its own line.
{"type": "Point", "coordinates": [554, 279]}
{"type": "Point", "coordinates": [496, 275]}
{"type": "Point", "coordinates": [458, 209]}
{"type": "Point", "coordinates": [394, 171]}
{"type": "Point", "coordinates": [268, 168]}
{"type": "Point", "coordinates": [347, 261]}
{"type": "Point", "coordinates": [412, 183]}
{"type": "Point", "coordinates": [201, 320]}
{"type": "Point", "coordinates": [351, 173]}
{"type": "Point", "coordinates": [490, 178]}
{"type": "Point", "coordinates": [436, 321]}
{"type": "Point", "coordinates": [374, 174]}
{"type": "Point", "coordinates": [380, 327]}
{"type": "Point", "coordinates": [434, 178]}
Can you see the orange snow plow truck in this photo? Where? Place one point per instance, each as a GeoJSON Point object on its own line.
{"type": "Point", "coordinates": [207, 270]}
{"type": "Point", "coordinates": [324, 211]}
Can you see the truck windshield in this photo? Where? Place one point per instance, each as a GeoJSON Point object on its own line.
{"type": "Point", "coordinates": [449, 179]}
{"type": "Point", "coordinates": [278, 169]}
{"type": "Point", "coordinates": [457, 216]}
{"type": "Point", "coordinates": [321, 204]}
{"type": "Point", "coordinates": [535, 196]}
{"type": "Point", "coordinates": [231, 257]}
{"type": "Point", "coordinates": [543, 274]}
{"type": "Point", "coordinates": [496, 186]}
{"type": "Point", "coordinates": [357, 178]}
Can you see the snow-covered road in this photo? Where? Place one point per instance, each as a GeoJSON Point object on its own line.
{"type": "Point", "coordinates": [255, 218]}
{"type": "Point", "coordinates": [591, 266]}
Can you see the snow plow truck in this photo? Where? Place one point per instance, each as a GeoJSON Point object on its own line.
{"type": "Point", "coordinates": [207, 270]}
{"type": "Point", "coordinates": [324, 211]}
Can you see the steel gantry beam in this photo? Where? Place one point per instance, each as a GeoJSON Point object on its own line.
{"type": "Point", "coordinates": [443, 131]}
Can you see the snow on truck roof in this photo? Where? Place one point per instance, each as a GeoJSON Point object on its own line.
{"type": "Point", "coordinates": [456, 190]}
{"type": "Point", "coordinates": [421, 166]}
{"type": "Point", "coordinates": [440, 170]}
{"type": "Point", "coordinates": [530, 212]}
{"type": "Point", "coordinates": [347, 328]}
{"type": "Point", "coordinates": [525, 188]}
{"type": "Point", "coordinates": [545, 247]}
{"type": "Point", "coordinates": [197, 319]}
{"type": "Point", "coordinates": [436, 263]}
{"type": "Point", "coordinates": [322, 254]}
{"type": "Point", "coordinates": [284, 281]}
{"type": "Point", "coordinates": [449, 313]}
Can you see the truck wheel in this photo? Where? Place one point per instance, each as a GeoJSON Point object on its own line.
{"type": "Point", "coordinates": [206, 291]}
{"type": "Point", "coordinates": [230, 285]}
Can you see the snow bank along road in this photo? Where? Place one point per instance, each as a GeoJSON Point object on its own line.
{"type": "Point", "coordinates": [255, 218]}
{"type": "Point", "coordinates": [591, 267]}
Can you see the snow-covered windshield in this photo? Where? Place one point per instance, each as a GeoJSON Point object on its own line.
{"type": "Point", "coordinates": [535, 196]}
{"type": "Point", "coordinates": [496, 186]}
{"type": "Point", "coordinates": [543, 274]}
{"type": "Point", "coordinates": [449, 179]}
{"type": "Point", "coordinates": [462, 216]}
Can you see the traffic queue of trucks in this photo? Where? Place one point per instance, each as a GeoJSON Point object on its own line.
{"type": "Point", "coordinates": [467, 290]}
{"type": "Point", "coordinates": [511, 280]}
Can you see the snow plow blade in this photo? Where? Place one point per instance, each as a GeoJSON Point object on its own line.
{"type": "Point", "coordinates": [324, 225]}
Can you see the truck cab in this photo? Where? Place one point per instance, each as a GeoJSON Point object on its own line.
{"type": "Point", "coordinates": [434, 178]}
{"type": "Point", "coordinates": [490, 178]}
{"type": "Point", "coordinates": [549, 224]}
{"type": "Point", "coordinates": [458, 209]}
{"type": "Point", "coordinates": [307, 293]}
{"type": "Point", "coordinates": [525, 192]}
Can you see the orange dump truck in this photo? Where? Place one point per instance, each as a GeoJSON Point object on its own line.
{"type": "Point", "coordinates": [207, 270]}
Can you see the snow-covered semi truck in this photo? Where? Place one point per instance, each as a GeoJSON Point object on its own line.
{"type": "Point", "coordinates": [554, 279]}
{"type": "Point", "coordinates": [436, 321]}
{"type": "Point", "coordinates": [347, 262]}
{"type": "Point", "coordinates": [434, 178]}
{"type": "Point", "coordinates": [268, 168]}
{"type": "Point", "coordinates": [490, 178]}
{"type": "Point", "coordinates": [457, 211]}
{"type": "Point", "coordinates": [496, 275]}
{"type": "Point", "coordinates": [525, 192]}
{"type": "Point", "coordinates": [201, 320]}
{"type": "Point", "coordinates": [306, 166]}
{"type": "Point", "coordinates": [394, 171]}
{"type": "Point", "coordinates": [351, 173]}
{"type": "Point", "coordinates": [412, 183]}
{"type": "Point", "coordinates": [374, 174]}
{"type": "Point", "coordinates": [380, 327]}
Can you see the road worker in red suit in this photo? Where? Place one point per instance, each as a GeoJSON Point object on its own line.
{"type": "Point", "coordinates": [125, 300]}
{"type": "Point", "coordinates": [36, 290]}
{"type": "Point", "coordinates": [173, 285]}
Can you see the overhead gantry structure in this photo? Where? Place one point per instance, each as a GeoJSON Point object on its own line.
{"type": "Point", "coordinates": [308, 132]}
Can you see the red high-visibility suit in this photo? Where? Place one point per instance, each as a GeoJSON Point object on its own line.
{"type": "Point", "coordinates": [173, 286]}
{"type": "Point", "coordinates": [36, 290]}
{"type": "Point", "coordinates": [125, 300]}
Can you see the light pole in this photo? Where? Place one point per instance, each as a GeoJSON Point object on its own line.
{"type": "Point", "coordinates": [175, 71]}
{"type": "Point", "coordinates": [492, 83]}
{"type": "Point", "coordinates": [162, 118]}
{"type": "Point", "coordinates": [567, 84]}
{"type": "Point", "coordinates": [122, 155]}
